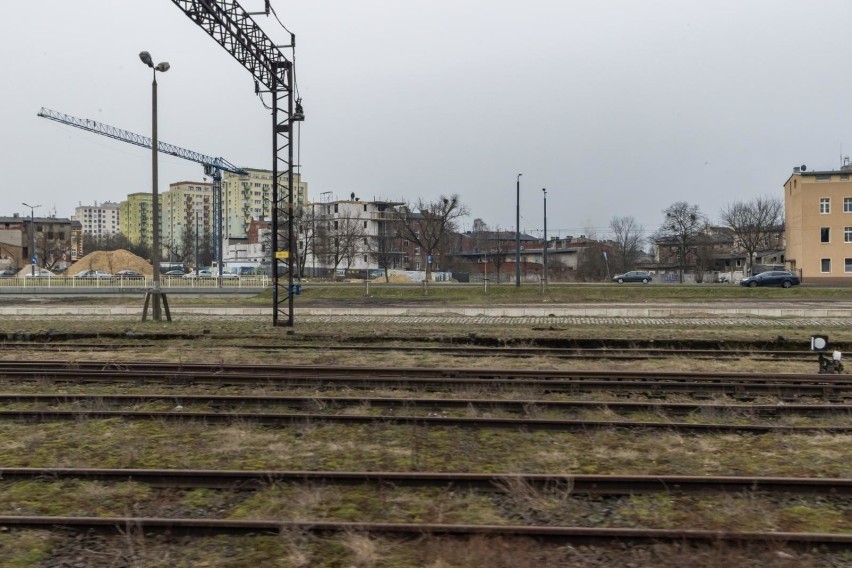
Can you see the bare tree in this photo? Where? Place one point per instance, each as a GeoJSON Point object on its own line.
{"type": "Point", "coordinates": [757, 224]}
{"type": "Point", "coordinates": [343, 238]}
{"type": "Point", "coordinates": [683, 222]}
{"type": "Point", "coordinates": [627, 235]}
{"type": "Point", "coordinates": [307, 231]}
{"type": "Point", "coordinates": [428, 224]}
{"type": "Point", "coordinates": [500, 245]}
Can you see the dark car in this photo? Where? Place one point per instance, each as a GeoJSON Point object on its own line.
{"type": "Point", "coordinates": [174, 273]}
{"type": "Point", "coordinates": [781, 278]}
{"type": "Point", "coordinates": [7, 273]}
{"type": "Point", "coordinates": [633, 276]}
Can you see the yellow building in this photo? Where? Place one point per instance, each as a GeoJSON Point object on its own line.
{"type": "Point", "coordinates": [250, 197]}
{"type": "Point", "coordinates": [135, 218]}
{"type": "Point", "coordinates": [818, 225]}
{"type": "Point", "coordinates": [187, 204]}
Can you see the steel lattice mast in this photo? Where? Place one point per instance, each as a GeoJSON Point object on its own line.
{"type": "Point", "coordinates": [234, 29]}
{"type": "Point", "coordinates": [212, 166]}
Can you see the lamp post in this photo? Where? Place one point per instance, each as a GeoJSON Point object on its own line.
{"type": "Point", "coordinates": [33, 256]}
{"type": "Point", "coordinates": [544, 253]}
{"type": "Point", "coordinates": [155, 294]}
{"type": "Point", "coordinates": [196, 244]}
{"type": "Point", "coordinates": [518, 233]}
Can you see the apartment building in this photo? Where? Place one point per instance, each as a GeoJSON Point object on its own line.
{"type": "Point", "coordinates": [99, 220]}
{"type": "Point", "coordinates": [186, 209]}
{"type": "Point", "coordinates": [136, 220]}
{"type": "Point", "coordinates": [352, 234]}
{"type": "Point", "coordinates": [249, 197]}
{"type": "Point", "coordinates": [818, 210]}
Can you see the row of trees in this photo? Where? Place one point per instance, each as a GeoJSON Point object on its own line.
{"type": "Point", "coordinates": [756, 225]}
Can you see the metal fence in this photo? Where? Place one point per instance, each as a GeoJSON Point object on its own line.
{"type": "Point", "coordinates": [133, 282]}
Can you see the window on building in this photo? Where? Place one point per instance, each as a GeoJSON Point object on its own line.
{"type": "Point", "coordinates": [847, 265]}
{"type": "Point", "coordinates": [825, 265]}
{"type": "Point", "coordinates": [847, 204]}
{"type": "Point", "coordinates": [365, 224]}
{"type": "Point", "coordinates": [335, 207]}
{"type": "Point", "coordinates": [823, 177]}
{"type": "Point", "coordinates": [847, 234]}
{"type": "Point", "coordinates": [824, 205]}
{"type": "Point", "coordinates": [824, 234]}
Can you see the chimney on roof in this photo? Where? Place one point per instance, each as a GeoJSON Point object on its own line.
{"type": "Point", "coordinates": [797, 170]}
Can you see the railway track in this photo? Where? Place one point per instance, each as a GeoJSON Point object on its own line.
{"type": "Point", "coordinates": [560, 534]}
{"type": "Point", "coordinates": [610, 485]}
{"type": "Point", "coordinates": [523, 406]}
{"type": "Point", "coordinates": [651, 383]}
{"type": "Point", "coordinates": [462, 351]}
{"type": "Point", "coordinates": [267, 419]}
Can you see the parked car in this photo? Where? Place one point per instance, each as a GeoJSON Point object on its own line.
{"type": "Point", "coordinates": [174, 273]}
{"type": "Point", "coordinates": [201, 274]}
{"type": "Point", "coordinates": [7, 273]}
{"type": "Point", "coordinates": [93, 274]}
{"type": "Point", "coordinates": [782, 278]}
{"type": "Point", "coordinates": [39, 273]}
{"type": "Point", "coordinates": [129, 274]}
{"type": "Point", "coordinates": [633, 276]}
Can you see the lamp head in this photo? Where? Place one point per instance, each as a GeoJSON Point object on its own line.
{"type": "Point", "coordinates": [146, 58]}
{"type": "Point", "coordinates": [162, 67]}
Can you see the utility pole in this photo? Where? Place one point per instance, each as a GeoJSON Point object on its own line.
{"type": "Point", "coordinates": [33, 255]}
{"type": "Point", "coordinates": [518, 233]}
{"type": "Point", "coordinates": [544, 250]}
{"type": "Point", "coordinates": [236, 31]}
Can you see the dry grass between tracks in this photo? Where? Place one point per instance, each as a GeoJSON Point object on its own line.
{"type": "Point", "coordinates": [114, 443]}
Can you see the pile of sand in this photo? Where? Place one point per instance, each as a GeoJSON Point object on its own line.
{"type": "Point", "coordinates": [112, 261]}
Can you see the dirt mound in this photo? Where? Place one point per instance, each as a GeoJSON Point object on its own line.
{"type": "Point", "coordinates": [112, 261]}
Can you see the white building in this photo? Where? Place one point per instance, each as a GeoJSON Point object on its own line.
{"type": "Point", "coordinates": [98, 220]}
{"type": "Point", "coordinates": [351, 232]}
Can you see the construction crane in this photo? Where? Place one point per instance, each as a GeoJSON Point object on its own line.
{"type": "Point", "coordinates": [213, 167]}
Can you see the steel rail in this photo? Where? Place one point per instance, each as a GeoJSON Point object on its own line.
{"type": "Point", "coordinates": [580, 353]}
{"type": "Point", "coordinates": [830, 387]}
{"type": "Point", "coordinates": [265, 419]}
{"type": "Point", "coordinates": [579, 484]}
{"type": "Point", "coordinates": [179, 526]}
{"type": "Point", "coordinates": [514, 405]}
{"type": "Point", "coordinates": [455, 372]}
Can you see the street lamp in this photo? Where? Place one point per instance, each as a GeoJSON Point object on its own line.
{"type": "Point", "coordinates": [518, 233]}
{"type": "Point", "coordinates": [155, 294]}
{"type": "Point", "coordinates": [33, 257]}
{"type": "Point", "coordinates": [544, 254]}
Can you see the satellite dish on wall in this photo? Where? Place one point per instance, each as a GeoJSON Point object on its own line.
{"type": "Point", "coordinates": [804, 167]}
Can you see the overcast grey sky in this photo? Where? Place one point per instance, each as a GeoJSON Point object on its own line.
{"type": "Point", "coordinates": [618, 107]}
